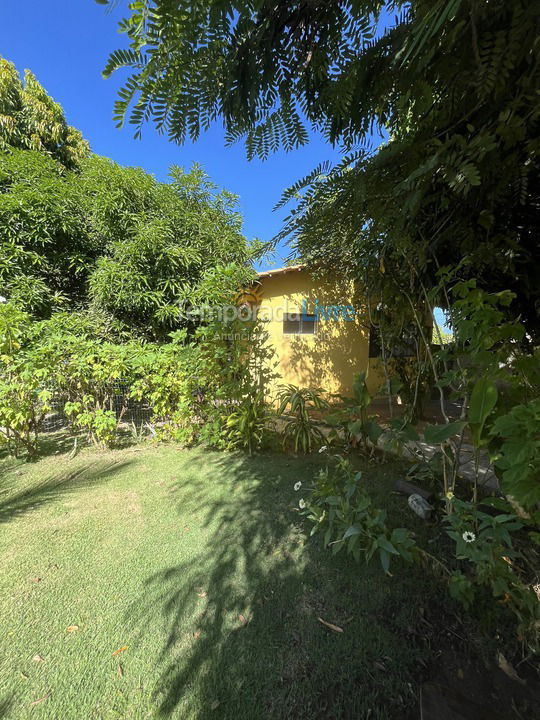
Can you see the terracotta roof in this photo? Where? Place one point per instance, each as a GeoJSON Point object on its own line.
{"type": "Point", "coordinates": [281, 271]}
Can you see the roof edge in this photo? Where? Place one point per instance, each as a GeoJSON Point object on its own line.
{"type": "Point", "coordinates": [282, 270]}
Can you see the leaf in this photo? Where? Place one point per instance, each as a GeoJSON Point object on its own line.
{"type": "Point", "coordinates": [72, 628]}
{"type": "Point", "coordinates": [243, 619]}
{"type": "Point", "coordinates": [505, 666]}
{"type": "Point", "coordinates": [384, 543]}
{"type": "Point", "coordinates": [120, 670]}
{"type": "Point", "coordinates": [385, 560]}
{"type": "Point", "coordinates": [399, 535]}
{"type": "Point", "coordinates": [438, 434]}
{"type": "Point", "coordinates": [374, 431]}
{"type": "Point", "coordinates": [40, 700]}
{"type": "Point", "coordinates": [38, 658]}
{"type": "Point", "coordinates": [214, 705]}
{"type": "Point", "coordinates": [333, 627]}
{"type": "Point", "coordinates": [470, 172]}
{"type": "Point", "coordinates": [409, 433]}
{"type": "Point", "coordinates": [360, 390]}
{"type": "Point", "coordinates": [483, 399]}
{"type": "Point", "coordinates": [355, 428]}
{"type": "Point", "coordinates": [120, 650]}
{"type": "Point", "coordinates": [350, 532]}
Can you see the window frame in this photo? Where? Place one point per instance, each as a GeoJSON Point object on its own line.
{"type": "Point", "coordinates": [301, 318]}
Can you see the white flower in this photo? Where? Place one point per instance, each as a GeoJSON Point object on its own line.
{"type": "Point", "coordinates": [301, 503]}
{"type": "Point", "coordinates": [321, 450]}
{"type": "Point", "coordinates": [468, 536]}
{"type": "Point", "coordinates": [2, 299]}
{"type": "Point", "coordinates": [297, 486]}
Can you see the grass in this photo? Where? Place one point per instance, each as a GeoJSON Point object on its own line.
{"type": "Point", "coordinates": [196, 563]}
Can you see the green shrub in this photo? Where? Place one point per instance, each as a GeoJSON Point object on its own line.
{"type": "Point", "coordinates": [24, 398]}
{"type": "Point", "coordinates": [209, 388]}
{"type": "Point", "coordinates": [301, 430]}
{"type": "Point", "coordinates": [486, 550]}
{"type": "Point", "coordinates": [516, 435]}
{"type": "Point", "coordinates": [341, 509]}
{"type": "Point", "coordinates": [23, 407]}
{"type": "Point", "coordinates": [166, 377]}
{"type": "Point", "coordinates": [102, 425]}
{"type": "Point", "coordinates": [351, 422]}
{"type": "Point", "coordinates": [247, 424]}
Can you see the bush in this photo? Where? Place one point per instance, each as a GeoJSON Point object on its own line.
{"type": "Point", "coordinates": [352, 422]}
{"type": "Point", "coordinates": [24, 398]}
{"type": "Point", "coordinates": [341, 509]}
{"type": "Point", "coordinates": [301, 430]}
{"type": "Point", "coordinates": [101, 425]}
{"type": "Point", "coordinates": [485, 548]}
{"type": "Point", "coordinates": [23, 407]}
{"type": "Point", "coordinates": [166, 377]}
{"type": "Point", "coordinates": [516, 435]}
{"type": "Point", "coordinates": [210, 388]}
{"type": "Point", "coordinates": [247, 424]}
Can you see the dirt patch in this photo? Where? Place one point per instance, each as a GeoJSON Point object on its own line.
{"type": "Point", "coordinates": [465, 688]}
{"type": "Point", "coordinates": [463, 682]}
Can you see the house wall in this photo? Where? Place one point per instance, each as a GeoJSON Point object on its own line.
{"type": "Point", "coordinates": [338, 350]}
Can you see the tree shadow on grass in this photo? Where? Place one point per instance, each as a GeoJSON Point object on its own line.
{"type": "Point", "coordinates": [5, 706]}
{"type": "Point", "coordinates": [66, 441]}
{"type": "Point", "coordinates": [59, 442]}
{"type": "Point", "coordinates": [244, 639]}
{"type": "Point", "coordinates": [69, 440]}
{"type": "Point", "coordinates": [15, 502]}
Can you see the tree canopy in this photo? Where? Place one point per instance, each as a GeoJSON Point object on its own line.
{"type": "Point", "coordinates": [453, 85]}
{"type": "Point", "coordinates": [167, 244]}
{"type": "Point", "coordinates": [32, 120]}
{"type": "Point", "coordinates": [113, 239]}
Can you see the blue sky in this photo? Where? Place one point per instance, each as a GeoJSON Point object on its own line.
{"type": "Point", "coordinates": [66, 44]}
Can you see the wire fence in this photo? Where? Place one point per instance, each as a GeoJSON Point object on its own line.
{"type": "Point", "coordinates": [126, 408]}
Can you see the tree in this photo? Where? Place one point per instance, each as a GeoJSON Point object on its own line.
{"type": "Point", "coordinates": [32, 120]}
{"type": "Point", "coordinates": [46, 243]}
{"type": "Point", "coordinates": [451, 83]}
{"type": "Point", "coordinates": [111, 240]}
{"type": "Point", "coordinates": [168, 245]}
{"type": "Point", "coordinates": [115, 240]}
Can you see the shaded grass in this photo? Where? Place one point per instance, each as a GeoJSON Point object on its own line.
{"type": "Point", "coordinates": [197, 562]}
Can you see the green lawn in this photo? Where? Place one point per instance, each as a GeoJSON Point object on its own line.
{"type": "Point", "coordinates": [197, 561]}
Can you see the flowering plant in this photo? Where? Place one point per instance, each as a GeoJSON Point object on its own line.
{"type": "Point", "coordinates": [480, 537]}
{"type": "Point", "coordinates": [341, 509]}
{"type": "Point", "coordinates": [485, 543]}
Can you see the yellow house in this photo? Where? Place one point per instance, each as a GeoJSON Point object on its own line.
{"type": "Point", "coordinates": [318, 329]}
